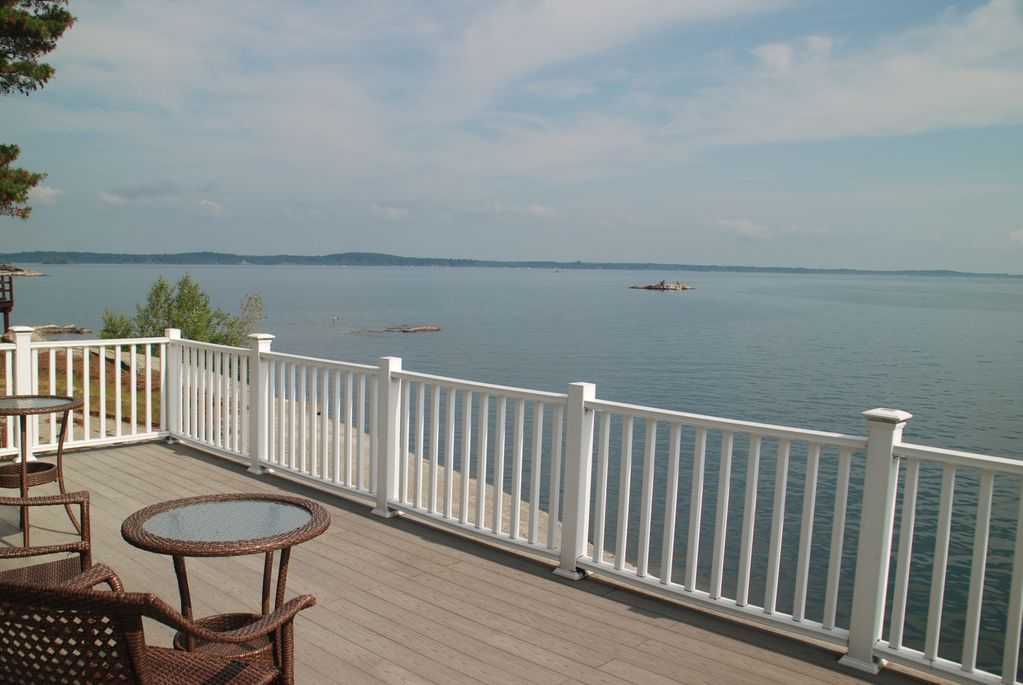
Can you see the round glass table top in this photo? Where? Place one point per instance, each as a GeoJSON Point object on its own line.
{"type": "Point", "coordinates": [36, 404]}
{"type": "Point", "coordinates": [229, 521]}
{"type": "Point", "coordinates": [225, 525]}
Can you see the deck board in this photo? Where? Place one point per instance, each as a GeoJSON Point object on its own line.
{"type": "Point", "coordinates": [402, 602]}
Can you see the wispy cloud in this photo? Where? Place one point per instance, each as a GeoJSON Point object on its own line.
{"type": "Point", "coordinates": [390, 213]}
{"type": "Point", "coordinates": [45, 195]}
{"type": "Point", "coordinates": [1017, 235]}
{"type": "Point", "coordinates": [749, 230]}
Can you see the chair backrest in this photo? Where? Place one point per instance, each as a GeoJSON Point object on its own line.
{"type": "Point", "coordinates": [82, 546]}
{"type": "Point", "coordinates": [72, 636]}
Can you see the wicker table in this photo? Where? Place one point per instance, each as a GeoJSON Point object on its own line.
{"type": "Point", "coordinates": [221, 526]}
{"type": "Point", "coordinates": [26, 474]}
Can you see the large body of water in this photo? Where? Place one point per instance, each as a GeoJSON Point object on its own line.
{"type": "Point", "coordinates": [812, 351]}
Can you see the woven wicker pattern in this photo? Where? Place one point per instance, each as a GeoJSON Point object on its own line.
{"type": "Point", "coordinates": [77, 570]}
{"type": "Point", "coordinates": [55, 635]}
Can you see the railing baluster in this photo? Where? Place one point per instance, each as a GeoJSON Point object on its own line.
{"type": "Point", "coordinates": [696, 508]}
{"type": "Point", "coordinates": [536, 462]}
{"type": "Point", "coordinates": [335, 471]}
{"type": "Point", "coordinates": [1014, 610]}
{"type": "Point", "coordinates": [349, 428]}
{"type": "Point", "coordinates": [748, 520]}
{"type": "Point", "coordinates": [404, 444]}
{"type": "Point", "coordinates": [149, 388]}
{"type": "Point", "coordinates": [554, 495]}
{"type": "Point", "coordinates": [118, 414]}
{"type": "Point", "coordinates": [481, 459]}
{"type": "Point", "coordinates": [624, 491]}
{"type": "Point", "coordinates": [133, 387]}
{"type": "Point", "coordinates": [977, 570]}
{"type": "Point", "coordinates": [671, 504]}
{"type": "Point", "coordinates": [499, 444]}
{"type": "Point", "coordinates": [465, 465]}
{"type": "Point", "coordinates": [417, 497]}
{"type": "Point", "coordinates": [777, 527]}
{"type": "Point", "coordinates": [293, 422]}
{"type": "Point", "coordinates": [600, 504]}
{"type": "Point", "coordinates": [721, 517]}
{"type": "Point", "coordinates": [53, 391]}
{"type": "Point", "coordinates": [837, 539]}
{"type": "Point", "coordinates": [324, 460]}
{"type": "Point", "coordinates": [434, 446]}
{"type": "Point", "coordinates": [948, 477]}
{"type": "Point", "coordinates": [516, 494]}
{"type": "Point", "coordinates": [102, 391]}
{"type": "Point", "coordinates": [303, 409]}
{"type": "Point", "coordinates": [806, 532]}
{"type": "Point", "coordinates": [86, 395]}
{"type": "Point", "coordinates": [449, 451]}
{"type": "Point", "coordinates": [646, 501]}
{"type": "Point", "coordinates": [374, 431]}
{"type": "Point", "coordinates": [361, 430]}
{"type": "Point", "coordinates": [902, 565]}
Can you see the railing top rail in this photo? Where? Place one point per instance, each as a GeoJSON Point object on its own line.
{"type": "Point", "coordinates": [212, 346]}
{"type": "Point", "coordinates": [281, 356]}
{"type": "Point", "coordinates": [111, 342]}
{"type": "Point", "coordinates": [959, 458]}
{"type": "Point", "coordinates": [734, 425]}
{"type": "Point", "coordinates": [521, 393]}
{"type": "Point", "coordinates": [8, 346]}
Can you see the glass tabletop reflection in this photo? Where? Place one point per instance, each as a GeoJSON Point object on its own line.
{"type": "Point", "coordinates": [227, 521]}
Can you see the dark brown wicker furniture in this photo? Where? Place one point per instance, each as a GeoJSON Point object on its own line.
{"type": "Point", "coordinates": [26, 474]}
{"type": "Point", "coordinates": [227, 525]}
{"type": "Point", "coordinates": [60, 635]}
{"type": "Point", "coordinates": [74, 570]}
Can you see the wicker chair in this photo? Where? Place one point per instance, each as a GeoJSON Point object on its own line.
{"type": "Point", "coordinates": [63, 635]}
{"type": "Point", "coordinates": [75, 570]}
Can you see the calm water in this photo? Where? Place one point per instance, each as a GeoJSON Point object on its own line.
{"type": "Point", "coordinates": [802, 350]}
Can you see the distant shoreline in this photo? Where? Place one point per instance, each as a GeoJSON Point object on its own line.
{"type": "Point", "coordinates": [378, 259]}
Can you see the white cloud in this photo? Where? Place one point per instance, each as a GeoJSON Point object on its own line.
{"type": "Point", "coordinates": [208, 208]}
{"type": "Point", "coordinates": [962, 71]}
{"type": "Point", "coordinates": [1016, 235]}
{"type": "Point", "coordinates": [745, 229]}
{"type": "Point", "coordinates": [390, 213]}
{"type": "Point", "coordinates": [506, 213]}
{"type": "Point", "coordinates": [44, 195]}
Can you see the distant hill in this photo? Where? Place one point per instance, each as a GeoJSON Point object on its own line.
{"type": "Point", "coordinates": [378, 259]}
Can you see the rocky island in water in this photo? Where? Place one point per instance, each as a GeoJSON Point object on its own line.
{"type": "Point", "coordinates": [663, 285]}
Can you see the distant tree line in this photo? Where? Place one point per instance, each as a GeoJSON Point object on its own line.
{"type": "Point", "coordinates": [379, 259]}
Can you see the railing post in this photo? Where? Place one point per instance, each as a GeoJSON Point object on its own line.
{"type": "Point", "coordinates": [24, 380]}
{"type": "Point", "coordinates": [259, 403]}
{"type": "Point", "coordinates": [875, 543]}
{"type": "Point", "coordinates": [170, 403]}
{"type": "Point", "coordinates": [578, 464]}
{"type": "Point", "coordinates": [388, 457]}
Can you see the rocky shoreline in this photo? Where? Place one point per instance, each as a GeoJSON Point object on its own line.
{"type": "Point", "coordinates": [663, 285]}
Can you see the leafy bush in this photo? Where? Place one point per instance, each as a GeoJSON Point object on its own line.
{"type": "Point", "coordinates": [186, 306]}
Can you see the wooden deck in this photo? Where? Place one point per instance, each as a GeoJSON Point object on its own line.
{"type": "Point", "coordinates": [401, 602]}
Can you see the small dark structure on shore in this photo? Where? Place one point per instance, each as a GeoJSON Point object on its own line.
{"type": "Point", "coordinates": [6, 298]}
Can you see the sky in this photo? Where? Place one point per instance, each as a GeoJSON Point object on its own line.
{"type": "Point", "coordinates": [869, 134]}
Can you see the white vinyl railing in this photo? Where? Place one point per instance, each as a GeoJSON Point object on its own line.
{"type": "Point", "coordinates": [891, 551]}
{"type": "Point", "coordinates": [957, 603]}
{"type": "Point", "coordinates": [120, 382]}
{"type": "Point", "coordinates": [483, 458]}
{"type": "Point", "coordinates": [685, 497]}
{"type": "Point", "coordinates": [321, 419]}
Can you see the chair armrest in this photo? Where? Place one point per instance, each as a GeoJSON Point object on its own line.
{"type": "Point", "coordinates": [80, 497]}
{"type": "Point", "coordinates": [97, 574]}
{"type": "Point", "coordinates": [262, 626]}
